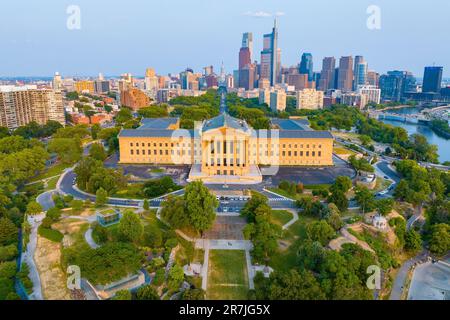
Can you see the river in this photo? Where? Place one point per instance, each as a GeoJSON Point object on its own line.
{"type": "Point", "coordinates": [442, 143]}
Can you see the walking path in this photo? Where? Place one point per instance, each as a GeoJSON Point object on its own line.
{"type": "Point", "coordinates": [294, 219]}
{"type": "Point", "coordinates": [205, 266]}
{"type": "Point", "coordinates": [28, 257]}
{"type": "Point", "coordinates": [250, 270]}
{"type": "Point", "coordinates": [90, 241]}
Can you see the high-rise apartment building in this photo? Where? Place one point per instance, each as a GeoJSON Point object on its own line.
{"type": "Point", "coordinates": [306, 66]}
{"type": "Point", "coordinates": [327, 75]}
{"type": "Point", "coordinates": [101, 86]}
{"type": "Point", "coordinates": [264, 96]}
{"type": "Point", "coordinates": [432, 79]}
{"type": "Point", "coordinates": [151, 80]}
{"type": "Point", "coordinates": [309, 99]}
{"type": "Point", "coordinates": [345, 77]}
{"type": "Point", "coordinates": [270, 56]}
{"type": "Point", "coordinates": [278, 100]}
{"type": "Point", "coordinates": [360, 72]}
{"type": "Point", "coordinates": [22, 105]}
{"type": "Point", "coordinates": [372, 92]}
{"type": "Point", "coordinates": [57, 83]}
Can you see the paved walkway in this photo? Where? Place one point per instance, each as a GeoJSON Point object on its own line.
{"type": "Point", "coordinates": [28, 257]}
{"type": "Point", "coordinates": [46, 199]}
{"type": "Point", "coordinates": [90, 241]}
{"type": "Point", "coordinates": [205, 266]}
{"type": "Point", "coordinates": [294, 219]}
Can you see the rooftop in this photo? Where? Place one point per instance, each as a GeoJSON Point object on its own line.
{"type": "Point", "coordinates": [157, 123]}
{"type": "Point", "coordinates": [225, 120]}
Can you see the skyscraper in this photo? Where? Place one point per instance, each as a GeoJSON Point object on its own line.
{"type": "Point", "coordinates": [361, 69]}
{"type": "Point", "coordinates": [151, 80]}
{"type": "Point", "coordinates": [306, 66]}
{"type": "Point", "coordinates": [395, 84]}
{"type": "Point", "coordinates": [270, 56]}
{"type": "Point", "coordinates": [432, 79]}
{"type": "Point", "coordinates": [327, 76]}
{"type": "Point", "coordinates": [247, 42]}
{"type": "Point", "coordinates": [345, 78]}
{"type": "Point", "coordinates": [244, 57]}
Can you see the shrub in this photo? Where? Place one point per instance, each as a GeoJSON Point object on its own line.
{"type": "Point", "coordinates": [50, 234]}
{"type": "Point", "coordinates": [159, 277]}
{"type": "Point", "coordinates": [8, 252]}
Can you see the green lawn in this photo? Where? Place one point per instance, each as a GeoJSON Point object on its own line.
{"type": "Point", "coordinates": [286, 258]}
{"type": "Point", "coordinates": [227, 275]}
{"type": "Point", "coordinates": [281, 217]}
{"type": "Point", "coordinates": [131, 191]}
{"type": "Point", "coordinates": [51, 171]}
{"type": "Point", "coordinates": [51, 184]}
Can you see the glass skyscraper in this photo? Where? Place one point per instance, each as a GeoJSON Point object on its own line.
{"type": "Point", "coordinates": [432, 79]}
{"type": "Point", "coordinates": [306, 66]}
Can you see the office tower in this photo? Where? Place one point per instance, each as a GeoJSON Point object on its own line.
{"type": "Point", "coordinates": [236, 78]}
{"type": "Point", "coordinates": [247, 42]}
{"type": "Point", "coordinates": [278, 100]}
{"type": "Point", "coordinates": [360, 71]}
{"type": "Point", "coordinates": [230, 81]}
{"type": "Point", "coordinates": [151, 80]}
{"type": "Point", "coordinates": [211, 81]}
{"type": "Point", "coordinates": [57, 82]}
{"type": "Point", "coordinates": [85, 86]}
{"type": "Point", "coordinates": [186, 77]}
{"type": "Point", "coordinates": [336, 78]}
{"type": "Point", "coordinates": [299, 81]}
{"type": "Point", "coordinates": [345, 77]}
{"type": "Point", "coordinates": [391, 85]}
{"type": "Point", "coordinates": [373, 78]}
{"type": "Point", "coordinates": [270, 56]}
{"type": "Point", "coordinates": [264, 83]}
{"type": "Point", "coordinates": [208, 70]}
{"type": "Point", "coordinates": [432, 79]}
{"type": "Point", "coordinates": [306, 66]}
{"type": "Point", "coordinates": [101, 86]}
{"type": "Point", "coordinates": [309, 99]}
{"type": "Point", "coordinates": [327, 75]}
{"type": "Point", "coordinates": [134, 99]}
{"type": "Point", "coordinates": [372, 92]}
{"type": "Point", "coordinates": [247, 77]}
{"type": "Point", "coordinates": [22, 105]}
{"type": "Point", "coordinates": [244, 58]}
{"type": "Point", "coordinates": [101, 77]}
{"type": "Point", "coordinates": [409, 83]}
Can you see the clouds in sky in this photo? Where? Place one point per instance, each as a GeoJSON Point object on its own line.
{"type": "Point", "coordinates": [263, 14]}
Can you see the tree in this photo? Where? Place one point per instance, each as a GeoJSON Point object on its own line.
{"type": "Point", "coordinates": [292, 285]}
{"type": "Point", "coordinates": [440, 239]}
{"type": "Point", "coordinates": [34, 208]}
{"type": "Point", "coordinates": [385, 206]}
{"type": "Point", "coordinates": [175, 278]}
{"type": "Point", "coordinates": [264, 236]}
{"type": "Point", "coordinates": [250, 206]}
{"type": "Point", "coordinates": [122, 295]}
{"type": "Point", "coordinates": [193, 294]}
{"type": "Point", "coordinates": [101, 197]}
{"type": "Point", "coordinates": [69, 150]}
{"type": "Point", "coordinates": [147, 292]}
{"type": "Point", "coordinates": [153, 236]}
{"type": "Point", "coordinates": [146, 205]}
{"type": "Point", "coordinates": [123, 116]}
{"type": "Point", "coordinates": [320, 231]}
{"type": "Point", "coordinates": [173, 212]}
{"type": "Point", "coordinates": [342, 183]}
{"type": "Point", "coordinates": [130, 227]}
{"type": "Point", "coordinates": [95, 129]}
{"type": "Point", "coordinates": [334, 218]}
{"type": "Point", "coordinates": [413, 241]}
{"type": "Point", "coordinates": [200, 206]}
{"type": "Point", "coordinates": [365, 198]}
{"type": "Point", "coordinates": [153, 112]}
{"type": "Point", "coordinates": [8, 232]}
{"type": "Point", "coordinates": [97, 151]}
{"type": "Point", "coordinates": [339, 199]}
{"type": "Point", "coordinates": [76, 205]}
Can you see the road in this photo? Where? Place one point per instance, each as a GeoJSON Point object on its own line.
{"type": "Point", "coordinates": [45, 200]}
{"type": "Point", "coordinates": [400, 279]}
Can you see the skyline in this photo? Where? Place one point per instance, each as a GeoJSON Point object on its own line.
{"type": "Point", "coordinates": [113, 39]}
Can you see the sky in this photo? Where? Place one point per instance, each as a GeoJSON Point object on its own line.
{"type": "Point", "coordinates": [117, 36]}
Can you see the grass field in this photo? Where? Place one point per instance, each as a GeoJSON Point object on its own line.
{"type": "Point", "coordinates": [51, 172]}
{"type": "Point", "coordinates": [227, 275]}
{"type": "Point", "coordinates": [340, 150]}
{"type": "Point", "coordinates": [281, 217]}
